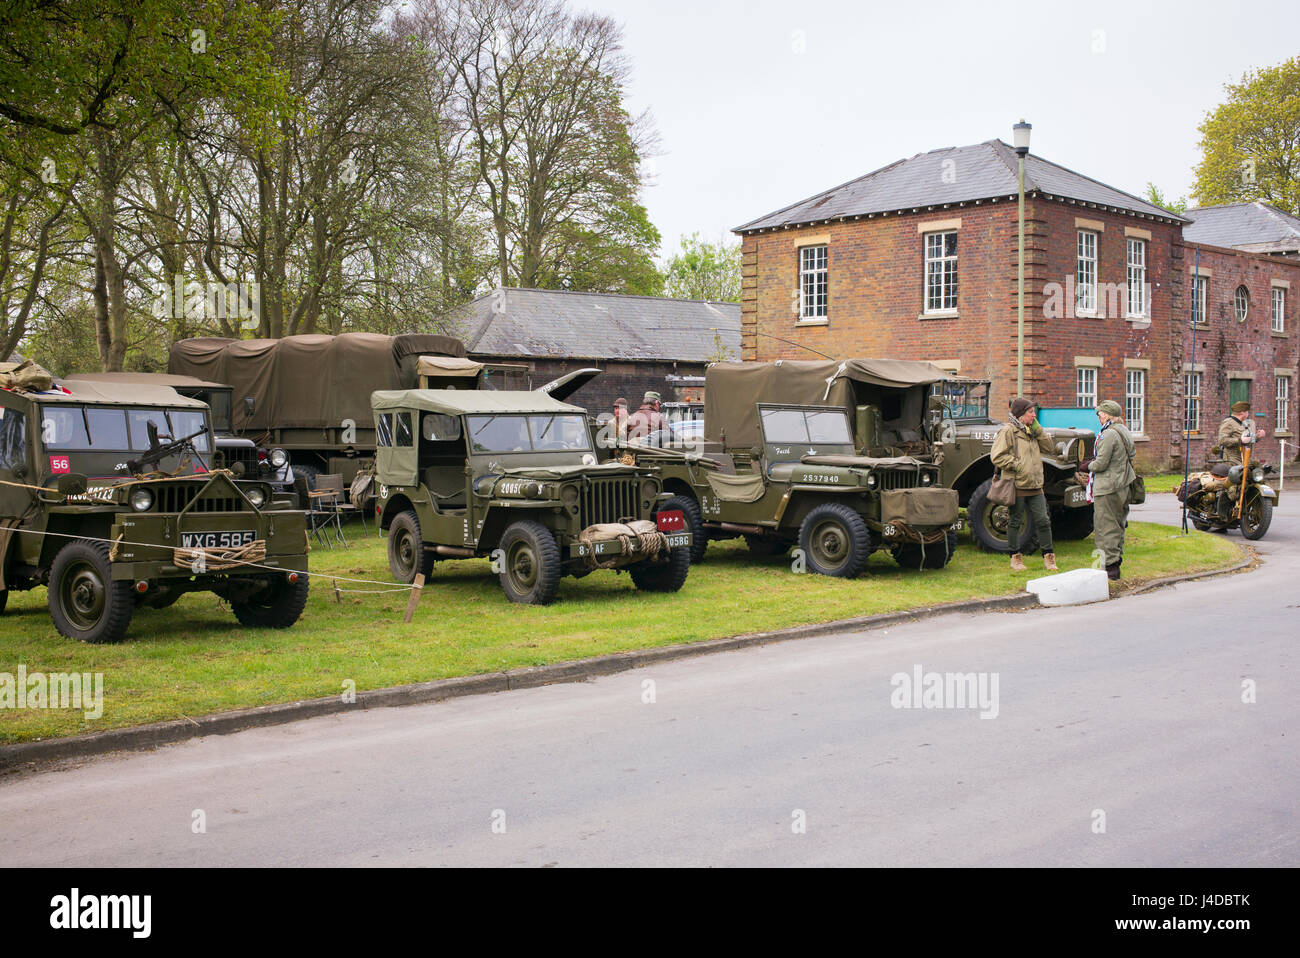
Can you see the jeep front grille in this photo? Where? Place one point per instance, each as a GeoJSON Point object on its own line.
{"type": "Point", "coordinates": [610, 500]}
{"type": "Point", "coordinates": [174, 498]}
{"type": "Point", "coordinates": [896, 479]}
{"type": "Point", "coordinates": [244, 454]}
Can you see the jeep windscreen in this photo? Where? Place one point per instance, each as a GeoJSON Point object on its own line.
{"type": "Point", "coordinates": [965, 401]}
{"type": "Point", "coordinates": [801, 426]}
{"type": "Point", "coordinates": [529, 433]}
{"type": "Point", "coordinates": [97, 441]}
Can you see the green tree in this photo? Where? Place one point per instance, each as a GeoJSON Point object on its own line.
{"type": "Point", "coordinates": [1250, 143]}
{"type": "Point", "coordinates": [1153, 195]}
{"type": "Point", "coordinates": [704, 270]}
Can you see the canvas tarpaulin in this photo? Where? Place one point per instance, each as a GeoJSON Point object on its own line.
{"type": "Point", "coordinates": [732, 390]}
{"type": "Point", "coordinates": [308, 382]}
{"type": "Point", "coordinates": [747, 488]}
{"type": "Point", "coordinates": [919, 507]}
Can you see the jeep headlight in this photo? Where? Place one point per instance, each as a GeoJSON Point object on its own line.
{"type": "Point", "coordinates": [1234, 474]}
{"type": "Point", "coordinates": [871, 480]}
{"type": "Point", "coordinates": [531, 490]}
{"type": "Point", "coordinates": [141, 500]}
{"type": "Point", "coordinates": [1257, 475]}
{"type": "Point", "coordinates": [649, 489]}
{"type": "Point", "coordinates": [278, 458]}
{"type": "Point", "coordinates": [256, 496]}
{"type": "Point", "coordinates": [926, 479]}
{"type": "Point", "coordinates": [569, 495]}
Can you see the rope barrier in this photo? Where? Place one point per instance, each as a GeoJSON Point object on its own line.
{"type": "Point", "coordinates": [247, 563]}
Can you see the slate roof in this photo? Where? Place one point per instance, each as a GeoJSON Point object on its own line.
{"type": "Point", "coordinates": [543, 323]}
{"type": "Point", "coordinates": [1257, 227]}
{"type": "Point", "coordinates": [953, 175]}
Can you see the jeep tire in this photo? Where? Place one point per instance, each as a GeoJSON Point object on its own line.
{"type": "Point", "coordinates": [85, 602]}
{"type": "Point", "coordinates": [407, 556]}
{"type": "Point", "coordinates": [694, 522]}
{"type": "Point", "coordinates": [278, 606]}
{"type": "Point", "coordinates": [662, 575]}
{"type": "Point", "coordinates": [835, 541]}
{"type": "Point", "coordinates": [988, 523]}
{"type": "Point", "coordinates": [530, 563]}
{"type": "Point", "coordinates": [936, 555]}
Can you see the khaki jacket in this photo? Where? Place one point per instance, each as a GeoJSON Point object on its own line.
{"type": "Point", "coordinates": [1112, 464]}
{"type": "Point", "coordinates": [1019, 452]}
{"type": "Point", "coordinates": [1230, 432]}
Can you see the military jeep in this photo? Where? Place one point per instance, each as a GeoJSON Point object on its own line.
{"type": "Point", "coordinates": [781, 465]}
{"type": "Point", "coordinates": [512, 475]}
{"type": "Point", "coordinates": [967, 432]}
{"type": "Point", "coordinates": [109, 500]}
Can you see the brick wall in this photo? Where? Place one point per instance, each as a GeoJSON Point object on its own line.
{"type": "Point", "coordinates": [875, 279]}
{"type": "Point", "coordinates": [1229, 349]}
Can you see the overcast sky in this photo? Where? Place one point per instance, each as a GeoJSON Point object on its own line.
{"type": "Point", "coordinates": [749, 124]}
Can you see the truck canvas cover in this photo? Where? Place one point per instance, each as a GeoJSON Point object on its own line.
{"type": "Point", "coordinates": [308, 382]}
{"type": "Point", "coordinates": [733, 390]}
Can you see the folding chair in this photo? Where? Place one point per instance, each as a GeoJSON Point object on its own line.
{"type": "Point", "coordinates": [327, 500]}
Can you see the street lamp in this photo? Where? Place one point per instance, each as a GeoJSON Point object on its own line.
{"type": "Point", "coordinates": [1020, 138]}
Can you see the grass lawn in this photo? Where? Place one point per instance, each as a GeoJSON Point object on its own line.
{"type": "Point", "coordinates": [193, 658]}
{"type": "Point", "coordinates": [1166, 481]}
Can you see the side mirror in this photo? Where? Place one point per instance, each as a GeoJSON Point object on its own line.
{"type": "Point", "coordinates": [249, 406]}
{"type": "Point", "coordinates": [72, 484]}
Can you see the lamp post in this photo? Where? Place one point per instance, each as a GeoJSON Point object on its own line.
{"type": "Point", "coordinates": [1020, 139]}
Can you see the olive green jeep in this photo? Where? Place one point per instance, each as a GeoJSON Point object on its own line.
{"type": "Point", "coordinates": [781, 465]}
{"type": "Point", "coordinates": [512, 475]}
{"type": "Point", "coordinates": [109, 497]}
{"type": "Point", "coordinates": [966, 434]}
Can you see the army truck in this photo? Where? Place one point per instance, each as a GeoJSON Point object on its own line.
{"type": "Point", "coordinates": [512, 475]}
{"type": "Point", "coordinates": [107, 500]}
{"type": "Point", "coordinates": [966, 435]}
{"type": "Point", "coordinates": [783, 463]}
{"type": "Point", "coordinates": [242, 457]}
{"type": "Point", "coordinates": [310, 395]}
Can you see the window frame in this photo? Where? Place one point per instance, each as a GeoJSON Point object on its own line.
{"type": "Point", "coordinates": [939, 264]}
{"type": "Point", "coordinates": [1135, 402]}
{"type": "Point", "coordinates": [1136, 270]}
{"type": "Point", "coordinates": [1279, 309]}
{"type": "Point", "coordinates": [1192, 402]}
{"type": "Point", "coordinates": [817, 276]}
{"type": "Point", "coordinates": [1200, 300]}
{"type": "Point", "coordinates": [1241, 312]}
{"type": "Point", "coordinates": [1282, 404]}
{"type": "Point", "coordinates": [1079, 392]}
{"type": "Point", "coordinates": [1080, 263]}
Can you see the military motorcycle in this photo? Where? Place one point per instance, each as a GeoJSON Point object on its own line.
{"type": "Point", "coordinates": [1231, 496]}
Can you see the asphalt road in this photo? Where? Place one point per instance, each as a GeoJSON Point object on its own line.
{"type": "Point", "coordinates": [1121, 738]}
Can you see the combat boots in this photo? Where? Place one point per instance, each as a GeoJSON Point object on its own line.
{"type": "Point", "coordinates": [1049, 562]}
{"type": "Point", "coordinates": [1018, 563]}
{"type": "Point", "coordinates": [1112, 570]}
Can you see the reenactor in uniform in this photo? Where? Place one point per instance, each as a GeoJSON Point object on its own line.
{"type": "Point", "coordinates": [1018, 452]}
{"type": "Point", "coordinates": [647, 420]}
{"type": "Point", "coordinates": [1112, 472]}
{"type": "Point", "coordinates": [1235, 431]}
{"type": "Point", "coordinates": [620, 419]}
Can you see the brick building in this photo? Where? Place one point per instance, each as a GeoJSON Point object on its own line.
{"type": "Point", "coordinates": [918, 260]}
{"type": "Point", "coordinates": [641, 343]}
{"type": "Point", "coordinates": [1247, 323]}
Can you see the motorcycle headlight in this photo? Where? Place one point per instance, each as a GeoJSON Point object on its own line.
{"type": "Point", "coordinates": [278, 458]}
{"type": "Point", "coordinates": [256, 496]}
{"type": "Point", "coordinates": [926, 479]}
{"type": "Point", "coordinates": [1257, 475]}
{"type": "Point", "coordinates": [1234, 474]}
{"type": "Point", "coordinates": [141, 500]}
